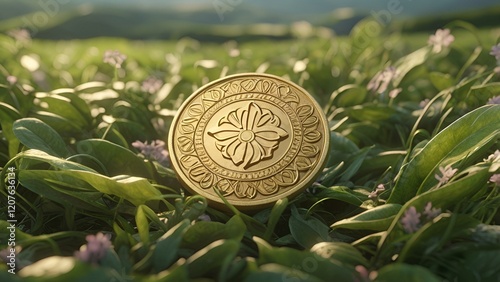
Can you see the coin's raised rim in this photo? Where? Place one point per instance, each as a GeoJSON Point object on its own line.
{"type": "Point", "coordinates": [250, 205]}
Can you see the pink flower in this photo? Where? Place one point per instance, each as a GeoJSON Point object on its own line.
{"type": "Point", "coordinates": [495, 178]}
{"type": "Point", "coordinates": [411, 220]}
{"type": "Point", "coordinates": [494, 101]}
{"type": "Point", "coordinates": [114, 58]}
{"type": "Point", "coordinates": [21, 35]}
{"type": "Point", "coordinates": [380, 82]}
{"type": "Point", "coordinates": [151, 85]}
{"type": "Point", "coordinates": [431, 212]}
{"type": "Point", "coordinates": [495, 51]}
{"type": "Point", "coordinates": [154, 151]}
{"type": "Point", "coordinates": [442, 38]}
{"type": "Point", "coordinates": [447, 173]}
{"type": "Point", "coordinates": [374, 194]}
{"type": "Point", "coordinates": [95, 249]}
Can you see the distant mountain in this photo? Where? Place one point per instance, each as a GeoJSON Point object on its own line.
{"type": "Point", "coordinates": [224, 19]}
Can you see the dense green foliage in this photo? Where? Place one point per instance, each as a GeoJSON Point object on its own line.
{"type": "Point", "coordinates": [411, 187]}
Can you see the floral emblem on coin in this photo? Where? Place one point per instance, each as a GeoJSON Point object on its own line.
{"type": "Point", "coordinates": [248, 135]}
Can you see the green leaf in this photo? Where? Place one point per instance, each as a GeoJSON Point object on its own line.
{"type": "Point", "coordinates": [371, 112]}
{"type": "Point", "coordinates": [64, 107]}
{"type": "Point", "coordinates": [211, 257]}
{"type": "Point", "coordinates": [340, 193]}
{"type": "Point", "coordinates": [441, 80]}
{"type": "Point", "coordinates": [133, 189]}
{"type": "Point", "coordinates": [377, 219]}
{"type": "Point", "coordinates": [203, 233]}
{"type": "Point", "coordinates": [167, 246]}
{"type": "Point", "coordinates": [307, 230]}
{"type": "Point", "coordinates": [8, 115]}
{"type": "Point", "coordinates": [340, 251]}
{"type": "Point", "coordinates": [63, 189]}
{"type": "Point", "coordinates": [470, 135]}
{"type": "Point", "coordinates": [116, 159]}
{"type": "Point", "coordinates": [277, 272]}
{"type": "Point", "coordinates": [278, 209]}
{"type": "Point", "coordinates": [61, 269]}
{"type": "Point", "coordinates": [35, 134]}
{"type": "Point", "coordinates": [142, 224]}
{"type": "Point", "coordinates": [395, 271]}
{"type": "Point", "coordinates": [350, 95]}
{"type": "Point", "coordinates": [408, 62]}
{"type": "Point", "coordinates": [308, 262]}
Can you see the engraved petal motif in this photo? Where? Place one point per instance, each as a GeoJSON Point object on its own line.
{"type": "Point", "coordinates": [261, 130]}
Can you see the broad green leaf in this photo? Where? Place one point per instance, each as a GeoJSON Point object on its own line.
{"type": "Point", "coordinates": [307, 230]}
{"type": "Point", "coordinates": [411, 273]}
{"type": "Point", "coordinates": [340, 251]}
{"type": "Point", "coordinates": [309, 262]}
{"type": "Point", "coordinates": [211, 257]}
{"type": "Point", "coordinates": [468, 135]}
{"type": "Point", "coordinates": [64, 190]}
{"type": "Point", "coordinates": [33, 155]}
{"type": "Point", "coordinates": [377, 219]}
{"type": "Point", "coordinates": [408, 62]}
{"type": "Point", "coordinates": [116, 159]}
{"type": "Point", "coordinates": [167, 246]}
{"type": "Point", "coordinates": [277, 272]}
{"type": "Point", "coordinates": [142, 223]}
{"type": "Point", "coordinates": [35, 134]}
{"type": "Point", "coordinates": [371, 112]}
{"type": "Point", "coordinates": [340, 193]}
{"type": "Point", "coordinates": [203, 233]}
{"type": "Point", "coordinates": [351, 96]}
{"type": "Point", "coordinates": [61, 269]}
{"type": "Point", "coordinates": [8, 115]}
{"type": "Point", "coordinates": [176, 273]}
{"type": "Point", "coordinates": [133, 189]}
{"type": "Point", "coordinates": [64, 107]}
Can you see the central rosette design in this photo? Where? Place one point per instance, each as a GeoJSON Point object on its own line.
{"type": "Point", "coordinates": [248, 135]}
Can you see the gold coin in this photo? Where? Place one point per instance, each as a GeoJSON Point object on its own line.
{"type": "Point", "coordinates": [254, 137]}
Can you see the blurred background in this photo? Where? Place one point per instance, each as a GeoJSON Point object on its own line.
{"type": "Point", "coordinates": [220, 20]}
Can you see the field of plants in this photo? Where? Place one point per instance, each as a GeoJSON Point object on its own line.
{"type": "Point", "coordinates": [411, 187]}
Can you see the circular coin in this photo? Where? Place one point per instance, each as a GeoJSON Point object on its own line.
{"type": "Point", "coordinates": [254, 137]}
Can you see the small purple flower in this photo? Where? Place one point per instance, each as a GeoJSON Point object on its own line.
{"type": "Point", "coordinates": [431, 212]}
{"type": "Point", "coordinates": [154, 151]}
{"type": "Point", "coordinates": [494, 101]}
{"type": "Point", "coordinates": [151, 85]}
{"type": "Point", "coordinates": [95, 249]}
{"type": "Point", "coordinates": [380, 82]}
{"type": "Point", "coordinates": [495, 178]}
{"type": "Point", "coordinates": [114, 58]}
{"type": "Point", "coordinates": [495, 51]}
{"type": "Point", "coordinates": [411, 220]}
{"type": "Point", "coordinates": [442, 38]}
{"type": "Point", "coordinates": [447, 173]}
